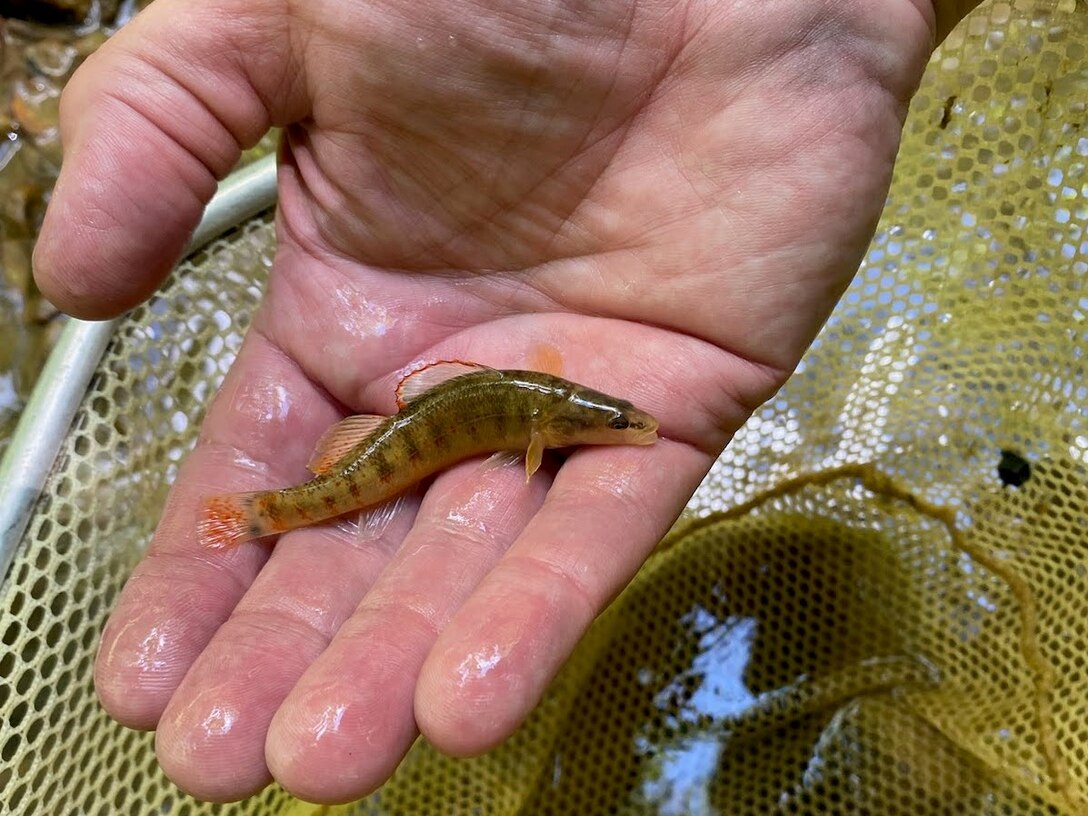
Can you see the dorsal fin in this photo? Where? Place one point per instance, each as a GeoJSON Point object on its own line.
{"type": "Point", "coordinates": [546, 358]}
{"type": "Point", "coordinates": [424, 379]}
{"type": "Point", "coordinates": [335, 443]}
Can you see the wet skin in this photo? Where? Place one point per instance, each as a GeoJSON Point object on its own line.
{"type": "Point", "coordinates": [672, 194]}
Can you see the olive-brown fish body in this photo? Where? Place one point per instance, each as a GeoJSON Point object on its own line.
{"type": "Point", "coordinates": [483, 411]}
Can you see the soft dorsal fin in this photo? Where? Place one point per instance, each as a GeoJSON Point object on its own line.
{"type": "Point", "coordinates": [424, 379]}
{"type": "Point", "coordinates": [338, 440]}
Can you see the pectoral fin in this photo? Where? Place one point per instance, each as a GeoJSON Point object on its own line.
{"type": "Point", "coordinates": [534, 455]}
{"type": "Point", "coordinates": [375, 521]}
{"type": "Point", "coordinates": [338, 441]}
{"type": "Point", "coordinates": [502, 459]}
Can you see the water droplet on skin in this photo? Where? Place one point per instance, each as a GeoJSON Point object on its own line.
{"type": "Point", "coordinates": [479, 664]}
{"type": "Point", "coordinates": [239, 458]}
{"type": "Point", "coordinates": [473, 512]}
{"type": "Point", "coordinates": [263, 403]}
{"type": "Point", "coordinates": [500, 477]}
{"type": "Point", "coordinates": [329, 721]}
{"type": "Point", "coordinates": [619, 478]}
{"type": "Point", "coordinates": [149, 654]}
{"type": "Point", "coordinates": [456, 517]}
{"type": "Point", "coordinates": [282, 405]}
{"type": "Point", "coordinates": [220, 721]}
{"type": "Point", "coordinates": [360, 317]}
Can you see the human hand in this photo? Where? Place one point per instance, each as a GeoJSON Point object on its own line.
{"type": "Point", "coordinates": [673, 195]}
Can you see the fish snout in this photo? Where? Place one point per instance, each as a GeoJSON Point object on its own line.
{"type": "Point", "coordinates": [643, 429]}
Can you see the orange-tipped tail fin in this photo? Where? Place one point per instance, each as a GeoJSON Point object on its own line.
{"type": "Point", "coordinates": [229, 520]}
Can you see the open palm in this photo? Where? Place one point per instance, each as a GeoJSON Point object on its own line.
{"type": "Point", "coordinates": [671, 195]}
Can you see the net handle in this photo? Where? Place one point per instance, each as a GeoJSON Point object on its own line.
{"type": "Point", "coordinates": [57, 395]}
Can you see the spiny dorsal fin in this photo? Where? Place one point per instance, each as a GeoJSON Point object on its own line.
{"type": "Point", "coordinates": [546, 358]}
{"type": "Point", "coordinates": [335, 443]}
{"type": "Point", "coordinates": [424, 379]}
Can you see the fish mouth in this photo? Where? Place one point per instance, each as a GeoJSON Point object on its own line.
{"type": "Point", "coordinates": [647, 433]}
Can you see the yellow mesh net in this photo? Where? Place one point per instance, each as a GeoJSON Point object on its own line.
{"type": "Point", "coordinates": [878, 602]}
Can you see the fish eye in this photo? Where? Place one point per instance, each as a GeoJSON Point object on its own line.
{"type": "Point", "coordinates": [619, 423]}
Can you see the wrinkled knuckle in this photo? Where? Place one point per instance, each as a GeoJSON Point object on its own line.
{"type": "Point", "coordinates": [416, 618]}
{"type": "Point", "coordinates": [615, 495]}
{"type": "Point", "coordinates": [281, 625]}
{"type": "Point", "coordinates": [554, 579]}
{"type": "Point", "coordinates": [184, 573]}
{"type": "Point", "coordinates": [468, 539]}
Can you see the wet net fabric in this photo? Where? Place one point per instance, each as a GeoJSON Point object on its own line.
{"type": "Point", "coordinates": [878, 602]}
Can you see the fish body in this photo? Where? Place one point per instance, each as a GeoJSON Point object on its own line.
{"type": "Point", "coordinates": [450, 412]}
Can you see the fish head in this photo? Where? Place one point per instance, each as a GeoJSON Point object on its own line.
{"type": "Point", "coordinates": [588, 417]}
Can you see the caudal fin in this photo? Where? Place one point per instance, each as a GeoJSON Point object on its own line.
{"type": "Point", "coordinates": [228, 520]}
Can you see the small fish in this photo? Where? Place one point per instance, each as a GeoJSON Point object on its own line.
{"type": "Point", "coordinates": [449, 411]}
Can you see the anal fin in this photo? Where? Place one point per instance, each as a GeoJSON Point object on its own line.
{"type": "Point", "coordinates": [502, 459]}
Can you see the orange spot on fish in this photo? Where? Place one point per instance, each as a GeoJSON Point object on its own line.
{"type": "Point", "coordinates": [271, 510]}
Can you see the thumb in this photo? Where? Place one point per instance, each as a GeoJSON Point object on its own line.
{"type": "Point", "coordinates": [149, 124]}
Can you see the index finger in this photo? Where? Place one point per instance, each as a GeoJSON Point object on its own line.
{"type": "Point", "coordinates": [257, 433]}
